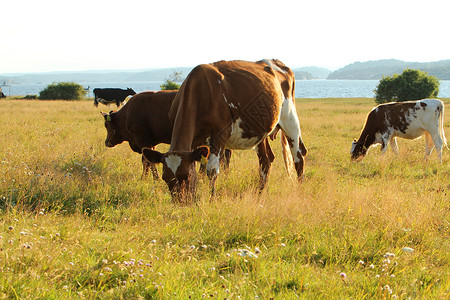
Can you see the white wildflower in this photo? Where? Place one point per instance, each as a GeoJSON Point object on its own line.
{"type": "Point", "coordinates": [408, 249]}
{"type": "Point", "coordinates": [245, 252]}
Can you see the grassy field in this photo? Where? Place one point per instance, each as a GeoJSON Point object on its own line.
{"type": "Point", "coordinates": [77, 221]}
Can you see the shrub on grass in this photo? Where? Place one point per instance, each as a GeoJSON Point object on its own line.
{"type": "Point", "coordinates": [62, 91]}
{"type": "Point", "coordinates": [410, 85]}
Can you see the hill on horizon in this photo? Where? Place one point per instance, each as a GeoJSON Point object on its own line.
{"type": "Point", "coordinates": [376, 69]}
{"type": "Point", "coordinates": [95, 76]}
{"type": "Point", "coordinates": [369, 70]}
{"type": "Point", "coordinates": [304, 73]}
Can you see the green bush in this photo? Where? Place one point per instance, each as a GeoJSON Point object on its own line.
{"type": "Point", "coordinates": [171, 83]}
{"type": "Point", "coordinates": [62, 91]}
{"type": "Point", "coordinates": [410, 85]}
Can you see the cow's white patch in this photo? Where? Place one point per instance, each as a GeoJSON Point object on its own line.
{"type": "Point", "coordinates": [263, 175]}
{"type": "Point", "coordinates": [270, 63]}
{"type": "Point", "coordinates": [353, 147]}
{"type": "Point", "coordinates": [173, 161]}
{"type": "Point", "coordinates": [229, 103]}
{"type": "Point", "coordinates": [290, 125]}
{"type": "Point", "coordinates": [236, 141]}
{"type": "Point", "coordinates": [213, 164]}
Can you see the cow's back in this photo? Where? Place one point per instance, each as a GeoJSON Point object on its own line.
{"type": "Point", "coordinates": [215, 95]}
{"type": "Point", "coordinates": [146, 118]}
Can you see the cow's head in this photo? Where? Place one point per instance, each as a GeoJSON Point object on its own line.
{"type": "Point", "coordinates": [358, 151]}
{"type": "Point", "coordinates": [178, 169]}
{"type": "Point", "coordinates": [113, 136]}
{"type": "Point", "coordinates": [131, 91]}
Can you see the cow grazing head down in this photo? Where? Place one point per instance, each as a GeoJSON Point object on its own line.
{"type": "Point", "coordinates": [358, 151]}
{"type": "Point", "coordinates": [407, 120]}
{"type": "Point", "coordinates": [113, 136]}
{"type": "Point", "coordinates": [179, 169]}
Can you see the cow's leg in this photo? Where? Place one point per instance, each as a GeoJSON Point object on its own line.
{"type": "Point", "coordinates": [146, 166]}
{"type": "Point", "coordinates": [429, 145]}
{"type": "Point", "coordinates": [226, 158]}
{"type": "Point", "coordinates": [385, 139]}
{"type": "Point", "coordinates": [437, 141]}
{"type": "Point", "coordinates": [290, 126]}
{"type": "Point", "coordinates": [213, 166]}
{"type": "Point", "coordinates": [266, 157]}
{"type": "Point", "coordinates": [394, 145]}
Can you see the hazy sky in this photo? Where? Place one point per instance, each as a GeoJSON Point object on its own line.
{"type": "Point", "coordinates": [58, 35]}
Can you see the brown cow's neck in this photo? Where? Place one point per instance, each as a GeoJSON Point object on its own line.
{"type": "Point", "coordinates": [184, 128]}
{"type": "Point", "coordinates": [367, 137]}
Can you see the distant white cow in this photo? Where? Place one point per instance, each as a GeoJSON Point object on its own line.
{"type": "Point", "coordinates": [409, 120]}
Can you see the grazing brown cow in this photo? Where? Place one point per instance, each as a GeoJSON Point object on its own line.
{"type": "Point", "coordinates": [229, 105]}
{"type": "Point", "coordinates": [409, 120]}
{"type": "Point", "coordinates": [144, 122]}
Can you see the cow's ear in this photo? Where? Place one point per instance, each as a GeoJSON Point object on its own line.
{"type": "Point", "coordinates": [201, 154]}
{"type": "Point", "coordinates": [106, 116]}
{"type": "Point", "coordinates": [152, 155]}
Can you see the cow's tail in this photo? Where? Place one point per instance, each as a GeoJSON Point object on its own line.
{"type": "Point", "coordinates": [288, 161]}
{"type": "Point", "coordinates": [441, 127]}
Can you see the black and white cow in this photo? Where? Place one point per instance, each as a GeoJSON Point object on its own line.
{"type": "Point", "coordinates": [111, 95]}
{"type": "Point", "coordinates": [409, 120]}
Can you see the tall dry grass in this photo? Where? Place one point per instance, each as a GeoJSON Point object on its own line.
{"type": "Point", "coordinates": [78, 222]}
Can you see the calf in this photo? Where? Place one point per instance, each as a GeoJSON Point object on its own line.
{"type": "Point", "coordinates": [143, 123]}
{"type": "Point", "coordinates": [110, 95]}
{"type": "Point", "coordinates": [409, 120]}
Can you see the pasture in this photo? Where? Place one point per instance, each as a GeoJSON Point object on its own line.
{"type": "Point", "coordinates": [77, 221]}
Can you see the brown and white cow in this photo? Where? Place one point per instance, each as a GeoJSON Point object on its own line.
{"type": "Point", "coordinates": [230, 105]}
{"type": "Point", "coordinates": [409, 120]}
{"type": "Point", "coordinates": [144, 123]}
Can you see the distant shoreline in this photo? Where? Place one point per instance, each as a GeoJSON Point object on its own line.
{"type": "Point", "coordinates": [303, 88]}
